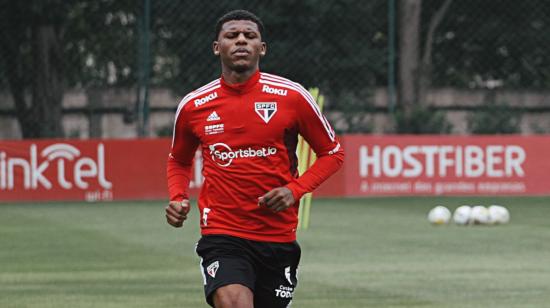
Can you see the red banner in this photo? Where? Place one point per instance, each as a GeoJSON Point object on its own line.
{"type": "Point", "coordinates": [447, 165]}
{"type": "Point", "coordinates": [97, 170]}
{"type": "Point", "coordinates": [93, 170]}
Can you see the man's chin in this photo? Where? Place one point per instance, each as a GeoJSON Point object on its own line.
{"type": "Point", "coordinates": [241, 68]}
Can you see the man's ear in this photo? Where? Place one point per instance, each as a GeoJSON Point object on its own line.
{"type": "Point", "coordinates": [263, 50]}
{"type": "Point", "coordinates": [216, 48]}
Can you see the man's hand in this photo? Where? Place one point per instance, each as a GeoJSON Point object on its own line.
{"type": "Point", "coordinates": [278, 199]}
{"type": "Point", "coordinates": [176, 212]}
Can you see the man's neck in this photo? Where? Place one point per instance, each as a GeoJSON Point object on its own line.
{"type": "Point", "coordinates": [233, 77]}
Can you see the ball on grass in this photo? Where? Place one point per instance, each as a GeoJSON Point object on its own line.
{"type": "Point", "coordinates": [479, 215]}
{"type": "Point", "coordinates": [498, 214]}
{"type": "Point", "coordinates": [439, 215]}
{"type": "Point", "coordinates": [462, 214]}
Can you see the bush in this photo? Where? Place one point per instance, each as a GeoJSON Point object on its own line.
{"type": "Point", "coordinates": [422, 120]}
{"type": "Point", "coordinates": [165, 131]}
{"type": "Point", "coordinates": [356, 111]}
{"type": "Point", "coordinates": [495, 118]}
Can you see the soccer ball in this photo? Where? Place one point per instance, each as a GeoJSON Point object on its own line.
{"type": "Point", "coordinates": [498, 214]}
{"type": "Point", "coordinates": [479, 215]}
{"type": "Point", "coordinates": [462, 215]}
{"type": "Point", "coordinates": [439, 215]}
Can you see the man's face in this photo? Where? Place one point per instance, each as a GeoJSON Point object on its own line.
{"type": "Point", "coordinates": [240, 45]}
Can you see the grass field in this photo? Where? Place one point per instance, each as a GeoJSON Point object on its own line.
{"type": "Point", "coordinates": [357, 253]}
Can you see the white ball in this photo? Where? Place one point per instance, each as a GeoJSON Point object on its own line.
{"type": "Point", "coordinates": [462, 214]}
{"type": "Point", "coordinates": [498, 214]}
{"type": "Point", "coordinates": [479, 215]}
{"type": "Point", "coordinates": [439, 215]}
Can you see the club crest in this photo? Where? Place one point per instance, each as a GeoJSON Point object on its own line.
{"type": "Point", "coordinates": [265, 110]}
{"type": "Point", "coordinates": [212, 269]}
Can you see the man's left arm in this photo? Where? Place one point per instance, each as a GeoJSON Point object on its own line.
{"type": "Point", "coordinates": [318, 133]}
{"type": "Point", "coordinates": [316, 130]}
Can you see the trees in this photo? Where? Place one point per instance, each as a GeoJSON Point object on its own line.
{"type": "Point", "coordinates": [415, 63]}
{"type": "Point", "coordinates": [33, 58]}
{"type": "Point", "coordinates": [339, 46]}
{"type": "Point", "coordinates": [49, 45]}
{"type": "Point", "coordinates": [493, 43]}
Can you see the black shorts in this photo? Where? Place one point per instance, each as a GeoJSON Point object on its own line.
{"type": "Point", "coordinates": [268, 269]}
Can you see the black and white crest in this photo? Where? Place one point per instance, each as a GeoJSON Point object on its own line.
{"type": "Point", "coordinates": [265, 110]}
{"type": "Point", "coordinates": [213, 268]}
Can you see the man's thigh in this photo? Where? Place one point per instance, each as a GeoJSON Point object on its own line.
{"type": "Point", "coordinates": [224, 261]}
{"type": "Point", "coordinates": [277, 278]}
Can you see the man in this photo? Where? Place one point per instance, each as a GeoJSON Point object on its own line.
{"type": "Point", "coordinates": [247, 124]}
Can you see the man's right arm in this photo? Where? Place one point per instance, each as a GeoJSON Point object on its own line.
{"type": "Point", "coordinates": [178, 169]}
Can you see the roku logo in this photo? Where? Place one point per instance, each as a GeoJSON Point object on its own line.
{"type": "Point", "coordinates": [58, 156]}
{"type": "Point", "coordinates": [206, 99]}
{"type": "Point", "coordinates": [270, 90]}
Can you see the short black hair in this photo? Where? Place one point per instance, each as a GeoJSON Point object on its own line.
{"type": "Point", "coordinates": [239, 15]}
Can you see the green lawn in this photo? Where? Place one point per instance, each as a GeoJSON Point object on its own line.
{"type": "Point", "coordinates": [378, 252]}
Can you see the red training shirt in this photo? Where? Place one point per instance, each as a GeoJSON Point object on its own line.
{"type": "Point", "coordinates": [248, 134]}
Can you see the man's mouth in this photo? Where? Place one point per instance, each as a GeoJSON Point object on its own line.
{"type": "Point", "coordinates": [241, 52]}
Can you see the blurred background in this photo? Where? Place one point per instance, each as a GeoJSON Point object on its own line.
{"type": "Point", "coordinates": [117, 69]}
{"type": "Point", "coordinates": [88, 94]}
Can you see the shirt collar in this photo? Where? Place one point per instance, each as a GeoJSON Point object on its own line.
{"type": "Point", "coordinates": [241, 87]}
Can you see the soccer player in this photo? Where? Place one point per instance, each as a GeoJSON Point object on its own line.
{"type": "Point", "coordinates": [246, 124]}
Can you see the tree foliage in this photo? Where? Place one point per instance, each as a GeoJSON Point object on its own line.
{"type": "Point", "coordinates": [339, 46]}
{"type": "Point", "coordinates": [495, 118]}
{"type": "Point", "coordinates": [494, 43]}
{"type": "Point", "coordinates": [32, 51]}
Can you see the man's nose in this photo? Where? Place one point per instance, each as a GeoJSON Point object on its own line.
{"type": "Point", "coordinates": [241, 38]}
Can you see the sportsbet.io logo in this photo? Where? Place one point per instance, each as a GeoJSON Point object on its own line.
{"type": "Point", "coordinates": [223, 155]}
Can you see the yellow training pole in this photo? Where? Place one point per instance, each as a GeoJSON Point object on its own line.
{"type": "Point", "coordinates": [306, 158]}
{"type": "Point", "coordinates": [303, 149]}
{"type": "Point", "coordinates": [312, 157]}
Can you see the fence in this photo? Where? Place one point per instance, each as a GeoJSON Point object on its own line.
{"type": "Point", "coordinates": [117, 68]}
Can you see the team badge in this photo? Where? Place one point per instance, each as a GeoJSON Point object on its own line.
{"type": "Point", "coordinates": [212, 269]}
{"type": "Point", "coordinates": [265, 110]}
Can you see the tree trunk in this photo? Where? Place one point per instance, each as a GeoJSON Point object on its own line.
{"type": "Point", "coordinates": [35, 78]}
{"type": "Point", "coordinates": [425, 72]}
{"type": "Point", "coordinates": [47, 85]}
{"type": "Point", "coordinates": [13, 41]}
{"type": "Point", "coordinates": [409, 41]}
{"type": "Point", "coordinates": [16, 81]}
